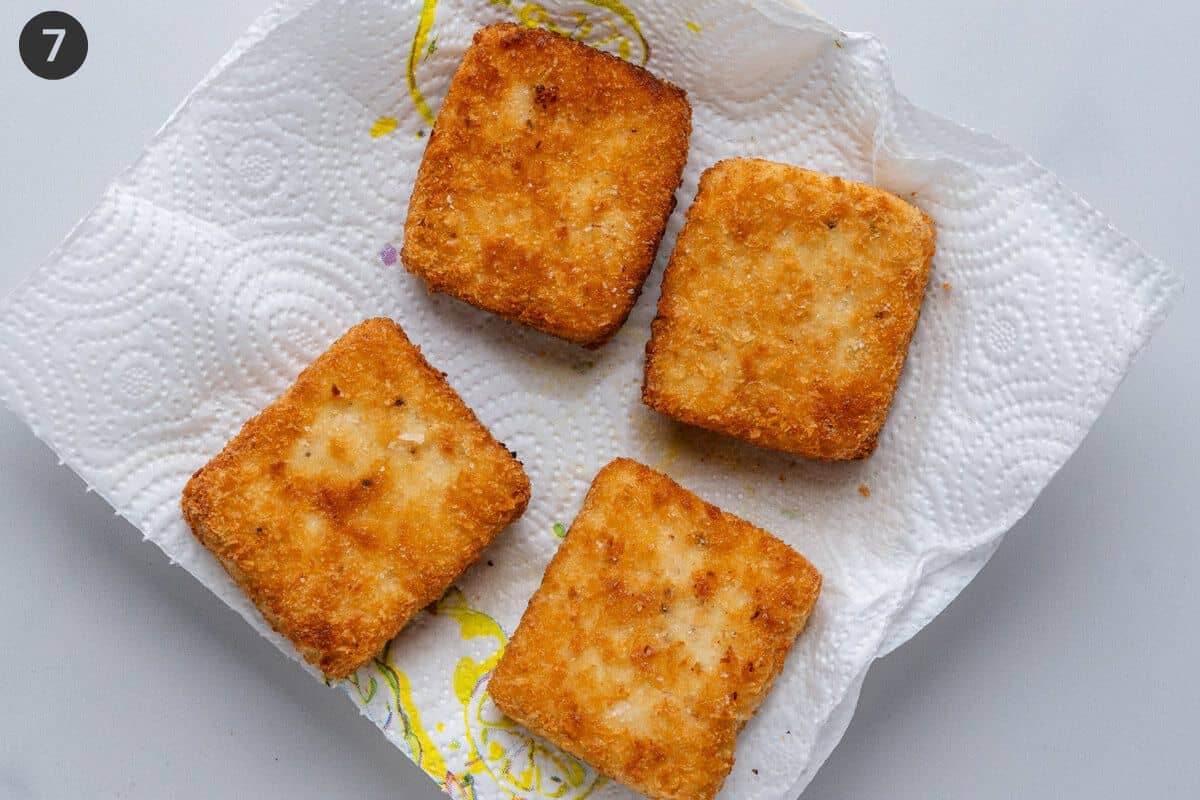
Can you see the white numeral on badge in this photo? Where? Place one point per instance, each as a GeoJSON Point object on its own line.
{"type": "Point", "coordinates": [58, 34]}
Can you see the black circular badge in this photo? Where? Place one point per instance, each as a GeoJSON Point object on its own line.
{"type": "Point", "coordinates": [53, 45]}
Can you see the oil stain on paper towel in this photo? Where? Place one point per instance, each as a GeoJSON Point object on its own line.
{"type": "Point", "coordinates": [494, 750]}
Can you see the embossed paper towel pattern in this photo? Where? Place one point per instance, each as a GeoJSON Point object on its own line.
{"type": "Point", "coordinates": [258, 225]}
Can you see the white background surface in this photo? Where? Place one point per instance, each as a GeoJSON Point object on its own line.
{"type": "Point", "coordinates": [1068, 669]}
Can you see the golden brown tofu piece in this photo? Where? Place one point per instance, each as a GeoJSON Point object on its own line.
{"type": "Point", "coordinates": [658, 629]}
{"type": "Point", "coordinates": [356, 498]}
{"type": "Point", "coordinates": [547, 182]}
{"type": "Point", "coordinates": [787, 309]}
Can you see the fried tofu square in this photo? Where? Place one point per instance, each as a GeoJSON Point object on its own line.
{"type": "Point", "coordinates": [547, 183]}
{"type": "Point", "coordinates": [657, 631]}
{"type": "Point", "coordinates": [356, 498]}
{"type": "Point", "coordinates": [787, 309]}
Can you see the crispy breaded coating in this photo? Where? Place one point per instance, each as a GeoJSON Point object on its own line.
{"type": "Point", "coordinates": [356, 498]}
{"type": "Point", "coordinates": [787, 309]}
{"type": "Point", "coordinates": [547, 182]}
{"type": "Point", "coordinates": [658, 629]}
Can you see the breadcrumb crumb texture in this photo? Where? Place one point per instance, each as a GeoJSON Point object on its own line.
{"type": "Point", "coordinates": [356, 498]}
{"type": "Point", "coordinates": [787, 309]}
{"type": "Point", "coordinates": [547, 182]}
{"type": "Point", "coordinates": [658, 629]}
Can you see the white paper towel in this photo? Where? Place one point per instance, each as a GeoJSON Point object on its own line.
{"type": "Point", "coordinates": [258, 225]}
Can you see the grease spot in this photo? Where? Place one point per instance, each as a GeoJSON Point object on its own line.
{"type": "Point", "coordinates": [383, 126]}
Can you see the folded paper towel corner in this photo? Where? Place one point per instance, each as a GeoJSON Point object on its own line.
{"type": "Point", "coordinates": [250, 233]}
